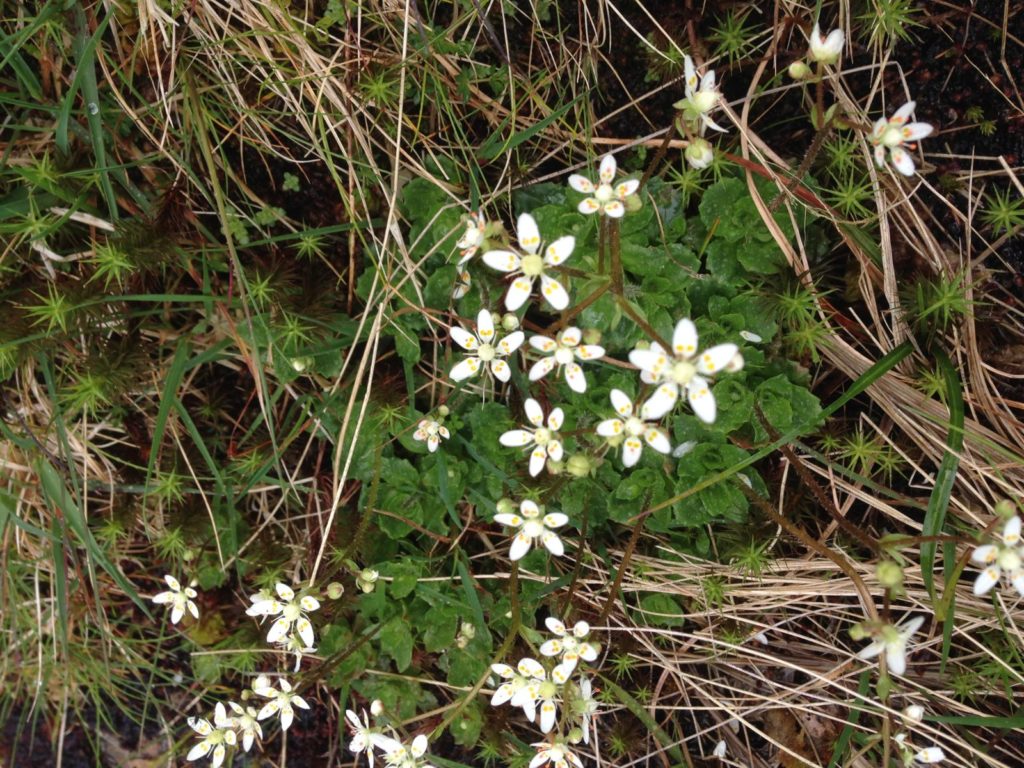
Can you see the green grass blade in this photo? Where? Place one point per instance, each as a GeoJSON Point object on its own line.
{"type": "Point", "coordinates": [494, 146]}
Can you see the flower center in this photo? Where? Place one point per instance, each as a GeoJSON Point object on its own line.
{"type": "Point", "coordinates": [291, 611]}
{"type": "Point", "coordinates": [486, 353]}
{"type": "Point", "coordinates": [1009, 559]}
{"type": "Point", "coordinates": [682, 372]}
{"type": "Point", "coordinates": [532, 265]}
{"type": "Point", "coordinates": [542, 436]}
{"type": "Point", "coordinates": [634, 427]}
{"type": "Point", "coordinates": [892, 136]}
{"type": "Point", "coordinates": [704, 101]}
{"type": "Point", "coordinates": [563, 355]}
{"type": "Point", "coordinates": [547, 689]}
{"type": "Point", "coordinates": [604, 193]}
{"type": "Point", "coordinates": [533, 528]}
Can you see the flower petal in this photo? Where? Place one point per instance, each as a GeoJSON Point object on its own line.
{"type": "Point", "coordinates": [588, 206]}
{"type": "Point", "coordinates": [574, 377]}
{"type": "Point", "coordinates": [606, 172]}
{"type": "Point", "coordinates": [684, 339]}
{"type": "Point", "coordinates": [520, 546]}
{"type": "Point", "coordinates": [627, 188]}
{"type": "Point", "coordinates": [278, 630]}
{"type": "Point", "coordinates": [518, 292]}
{"type": "Point", "coordinates": [538, 458]}
{"type": "Point", "coordinates": [309, 603]}
{"type": "Point", "coordinates": [661, 402]}
{"type": "Point", "coordinates": [553, 544]}
{"type": "Point", "coordinates": [986, 580]}
{"type": "Point", "coordinates": [1011, 531]}
{"type": "Point", "coordinates": [614, 209]}
{"type": "Point", "coordinates": [555, 519]}
{"type": "Point", "coordinates": [609, 428]}
{"type": "Point", "coordinates": [305, 630]}
{"type": "Point", "coordinates": [501, 370]}
{"type": "Point", "coordinates": [284, 592]}
{"type": "Point", "coordinates": [172, 583]}
{"type": "Point", "coordinates": [511, 343]}
{"type": "Point", "coordinates": [464, 338]}
{"type": "Point", "coordinates": [916, 131]}
{"type": "Point", "coordinates": [650, 360]}
{"type": "Point", "coordinates": [902, 161]}
{"type": "Point", "coordinates": [555, 419]}
{"type": "Point", "coordinates": [527, 232]}
{"type": "Point", "coordinates": [543, 343]}
{"type": "Point", "coordinates": [903, 113]}
{"type": "Point", "coordinates": [713, 360]}
{"type": "Point", "coordinates": [631, 450]}
{"type": "Point", "coordinates": [621, 402]}
{"type": "Point", "coordinates": [541, 368]}
{"type": "Point", "coordinates": [200, 750]}
{"type": "Point", "coordinates": [658, 440]}
{"type": "Point", "coordinates": [984, 555]}
{"type": "Point", "coordinates": [534, 413]}
{"type": "Point", "coordinates": [503, 261]}
{"type": "Point", "coordinates": [559, 251]}
{"type": "Point", "coordinates": [581, 184]}
{"type": "Point", "coordinates": [463, 370]}
{"type": "Point", "coordinates": [485, 326]}
{"type": "Point", "coordinates": [701, 400]}
{"type": "Point", "coordinates": [553, 291]}
{"type": "Point", "coordinates": [516, 438]}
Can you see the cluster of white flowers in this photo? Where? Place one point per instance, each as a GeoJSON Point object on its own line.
{"type": "Point", "coordinates": [1003, 558]}
{"type": "Point", "coordinates": [912, 716]}
{"type": "Point", "coordinates": [555, 694]}
{"type": "Point", "coordinates": [372, 739]}
{"type": "Point", "coordinates": [701, 98]}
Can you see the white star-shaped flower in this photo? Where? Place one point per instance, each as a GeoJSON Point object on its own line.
{"type": "Point", "coordinates": [244, 722]}
{"type": "Point", "coordinates": [557, 753]}
{"type": "Point", "coordinates": [532, 527]}
{"type": "Point", "coordinates": [585, 707]}
{"type": "Point", "coordinates": [292, 612]}
{"type": "Point", "coordinates": [486, 351]}
{"type": "Point", "coordinates": [893, 134]}
{"type": "Point", "coordinates": [515, 689]}
{"type": "Point", "coordinates": [571, 647]}
{"type": "Point", "coordinates": [891, 639]}
{"type": "Point", "coordinates": [468, 245]}
{"type": "Point", "coordinates": [1006, 556]}
{"type": "Point", "coordinates": [604, 198]}
{"type": "Point", "coordinates": [432, 432]}
{"type": "Point", "coordinates": [823, 49]}
{"type": "Point", "coordinates": [179, 598]}
{"type": "Point", "coordinates": [365, 738]}
{"type": "Point", "coordinates": [542, 689]}
{"type": "Point", "coordinates": [215, 740]}
{"type": "Point", "coordinates": [701, 98]}
{"type": "Point", "coordinates": [685, 369]}
{"type": "Point", "coordinates": [632, 427]}
{"type": "Point", "coordinates": [563, 351]}
{"type": "Point", "coordinates": [530, 265]}
{"type": "Point", "coordinates": [280, 700]}
{"type": "Point", "coordinates": [546, 442]}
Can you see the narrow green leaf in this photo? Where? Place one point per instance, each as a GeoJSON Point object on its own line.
{"type": "Point", "coordinates": [494, 147]}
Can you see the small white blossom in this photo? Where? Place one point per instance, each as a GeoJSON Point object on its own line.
{"type": "Point", "coordinates": [529, 265]}
{"type": "Point", "coordinates": [913, 714]}
{"type": "Point", "coordinates": [468, 245]}
{"type": "Point", "coordinates": [701, 98]}
{"type": "Point", "coordinates": [292, 613]}
{"type": "Point", "coordinates": [557, 753]}
{"type": "Point", "coordinates": [893, 134]}
{"type": "Point", "coordinates": [926, 756]}
{"type": "Point", "coordinates": [604, 199]}
{"type": "Point", "coordinates": [531, 527]}
{"type": "Point", "coordinates": [540, 689]}
{"type": "Point", "coordinates": [513, 689]}
{"type": "Point", "coordinates": [244, 721]}
{"type": "Point", "coordinates": [486, 351]}
{"type": "Point", "coordinates": [365, 738]}
{"type": "Point", "coordinates": [292, 643]}
{"type": "Point", "coordinates": [719, 750]}
{"type": "Point", "coordinates": [699, 153]}
{"type": "Point", "coordinates": [280, 701]}
{"type": "Point", "coordinates": [570, 647]}
{"type": "Point", "coordinates": [685, 369]}
{"type": "Point", "coordinates": [432, 432]}
{"type": "Point", "coordinates": [891, 640]}
{"type": "Point", "coordinates": [215, 740]}
{"type": "Point", "coordinates": [826, 50]}
{"type": "Point", "coordinates": [563, 351]}
{"type": "Point", "coordinates": [585, 707]}
{"type": "Point", "coordinates": [179, 598]}
{"type": "Point", "coordinates": [632, 428]}
{"type": "Point", "coordinates": [366, 579]}
{"type": "Point", "coordinates": [546, 442]}
{"type": "Point", "coordinates": [1006, 556]}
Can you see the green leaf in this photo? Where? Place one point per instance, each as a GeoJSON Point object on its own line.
{"type": "Point", "coordinates": [396, 641]}
{"type": "Point", "coordinates": [441, 624]}
{"type": "Point", "coordinates": [661, 611]}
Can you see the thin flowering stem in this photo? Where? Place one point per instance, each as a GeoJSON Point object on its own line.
{"type": "Point", "coordinates": [644, 325]}
{"type": "Point", "coordinates": [616, 254]}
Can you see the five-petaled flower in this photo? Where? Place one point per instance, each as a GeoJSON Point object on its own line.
{"type": "Point", "coordinates": [826, 50]}
{"type": "Point", "coordinates": [280, 700]}
{"type": "Point", "coordinates": [486, 351]}
{"type": "Point", "coordinates": [432, 432]}
{"type": "Point", "coordinates": [244, 722]}
{"type": "Point", "coordinates": [365, 738]}
{"type": "Point", "coordinates": [541, 688]}
{"type": "Point", "coordinates": [179, 598]}
{"type": "Point", "coordinates": [547, 445]}
{"type": "Point", "coordinates": [604, 198]}
{"type": "Point", "coordinates": [570, 647]}
{"type": "Point", "coordinates": [216, 738]}
{"type": "Point", "coordinates": [685, 369]}
{"type": "Point", "coordinates": [565, 349]}
{"type": "Point", "coordinates": [893, 134]}
{"type": "Point", "coordinates": [530, 265]}
{"type": "Point", "coordinates": [1006, 556]}
{"type": "Point", "coordinates": [399, 755]}
{"type": "Point", "coordinates": [514, 689]}
{"type": "Point", "coordinates": [557, 753]}
{"type": "Point", "coordinates": [632, 427]}
{"type": "Point", "coordinates": [701, 98]}
{"type": "Point", "coordinates": [532, 526]}
{"type": "Point", "coordinates": [891, 639]}
{"type": "Point", "coordinates": [292, 612]}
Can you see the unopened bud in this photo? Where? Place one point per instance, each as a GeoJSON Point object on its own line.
{"type": "Point", "coordinates": [505, 506]}
{"type": "Point", "coordinates": [913, 714]}
{"type": "Point", "coordinates": [858, 632]}
{"type": "Point", "coordinates": [335, 590]}
{"type": "Point", "coordinates": [699, 153]}
{"type": "Point", "coordinates": [555, 467]}
{"type": "Point", "coordinates": [591, 336]}
{"type": "Point", "coordinates": [890, 574]}
{"type": "Point", "coordinates": [509, 321]}
{"type": "Point", "coordinates": [1004, 509]}
{"type": "Point", "coordinates": [633, 203]}
{"type": "Point", "coordinates": [575, 735]}
{"type": "Point", "coordinates": [799, 70]}
{"type": "Point", "coordinates": [376, 707]}
{"type": "Point", "coordinates": [443, 410]}
{"type": "Point", "coordinates": [300, 364]}
{"type": "Point", "coordinates": [579, 465]}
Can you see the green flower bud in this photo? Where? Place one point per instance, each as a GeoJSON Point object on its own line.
{"type": "Point", "coordinates": [579, 465]}
{"type": "Point", "coordinates": [591, 336]}
{"type": "Point", "coordinates": [858, 632]}
{"type": "Point", "coordinates": [505, 506]}
{"type": "Point", "coordinates": [890, 575]}
{"type": "Point", "coordinates": [509, 322]}
{"type": "Point", "coordinates": [555, 467]}
{"type": "Point", "coordinates": [799, 70]}
{"type": "Point", "coordinates": [575, 735]}
{"type": "Point", "coordinates": [335, 590]}
{"type": "Point", "coordinates": [633, 203]}
{"type": "Point", "coordinates": [300, 364]}
{"type": "Point", "coordinates": [1004, 509]}
{"type": "Point", "coordinates": [443, 410]}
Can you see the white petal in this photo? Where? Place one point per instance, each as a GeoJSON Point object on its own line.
{"type": "Point", "coordinates": [1011, 532]}
{"type": "Point", "coordinates": [658, 440]}
{"type": "Point", "coordinates": [305, 630]}
{"type": "Point", "coordinates": [701, 400]}
{"type": "Point", "coordinates": [588, 206]}
{"type": "Point", "coordinates": [534, 413]}
{"type": "Point", "coordinates": [930, 755]}
{"type": "Point", "coordinates": [581, 184]}
{"type": "Point", "coordinates": [193, 609]}
{"type": "Point", "coordinates": [555, 626]}
{"type": "Point", "coordinates": [609, 428]}
{"type": "Point", "coordinates": [538, 458]}
{"type": "Point", "coordinates": [571, 336]}
{"type": "Point", "coordinates": [621, 402]}
{"type": "Point", "coordinates": [464, 338]}
{"type": "Point", "coordinates": [531, 668]}
{"type": "Point", "coordinates": [555, 519]}
{"type": "Point", "coordinates": [218, 755]}
{"type": "Point", "coordinates": [614, 209]}
{"type": "Point", "coordinates": [520, 546]}
{"type": "Point", "coordinates": [555, 419]}
{"type": "Point", "coordinates": [1017, 580]}
{"type": "Point", "coordinates": [527, 232]}
{"type": "Point", "coordinates": [986, 580]}
{"type": "Point", "coordinates": [269, 710]}
{"type": "Point", "coordinates": [547, 716]}
{"type": "Point", "coordinates": [529, 508]}
{"type": "Point", "coordinates": [713, 360]}
{"type": "Point", "coordinates": [684, 339]}
{"type": "Point", "coordinates": [485, 326]}
{"type": "Point", "coordinates": [501, 370]}
{"type": "Point", "coordinates": [501, 695]}
{"type": "Point", "coordinates": [627, 188]}
{"type": "Point", "coordinates": [553, 291]}
{"type": "Point", "coordinates": [419, 746]}
{"type": "Point", "coordinates": [575, 378]}
{"type": "Point", "coordinates": [896, 658]}
{"type": "Point", "coordinates": [543, 343]}
{"type": "Point", "coordinates": [200, 750]}
{"type": "Point", "coordinates": [551, 648]}
{"type": "Point", "coordinates": [563, 671]}
{"type": "Point", "coordinates": [200, 726]}
{"type": "Point", "coordinates": [177, 613]}
{"type": "Point", "coordinates": [172, 583]}
{"type": "Point", "coordinates": [871, 651]}
{"type": "Point", "coordinates": [559, 251]}
{"type": "Point", "coordinates": [902, 161]}
{"type": "Point", "coordinates": [541, 368]}
{"type": "Point", "coordinates": [284, 592]}
{"type": "Point", "coordinates": [880, 156]}
{"type": "Point", "coordinates": [309, 603]}
{"type": "Point", "coordinates": [463, 370]}
{"type": "Point", "coordinates": [516, 438]}
{"type": "Point", "coordinates": [651, 360]}
{"type": "Point", "coordinates": [278, 630]}
{"type": "Point", "coordinates": [287, 716]}
{"type": "Point", "coordinates": [163, 597]}
{"type": "Point", "coordinates": [631, 450]}
{"type": "Point", "coordinates": [518, 292]}
{"type": "Point", "coordinates": [503, 261]}
{"type": "Point", "coordinates": [904, 112]}
{"type": "Point", "coordinates": [984, 555]}
{"type": "Point", "coordinates": [511, 343]}
{"type": "Point", "coordinates": [607, 170]}
{"type": "Point", "coordinates": [661, 402]}
{"type": "Point", "coordinates": [553, 544]}
{"type": "Point", "coordinates": [916, 131]}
